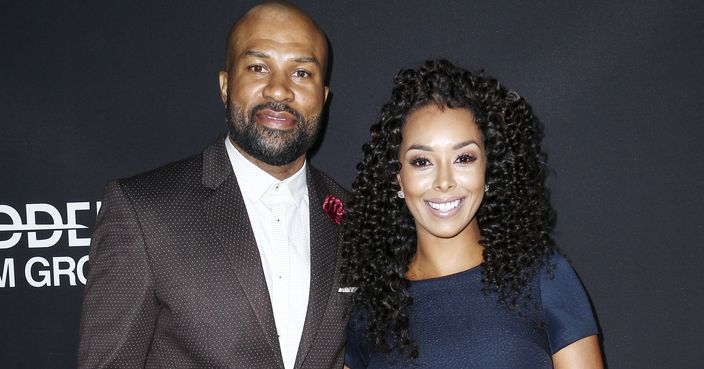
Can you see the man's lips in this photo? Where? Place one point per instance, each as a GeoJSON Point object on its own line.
{"type": "Point", "coordinates": [276, 119]}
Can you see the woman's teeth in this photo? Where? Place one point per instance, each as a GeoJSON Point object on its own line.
{"type": "Point", "coordinates": [444, 206]}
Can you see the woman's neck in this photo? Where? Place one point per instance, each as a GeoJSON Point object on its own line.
{"type": "Point", "coordinates": [437, 257]}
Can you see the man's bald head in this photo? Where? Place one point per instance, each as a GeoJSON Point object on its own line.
{"type": "Point", "coordinates": [269, 19]}
{"type": "Point", "coordinates": [273, 86]}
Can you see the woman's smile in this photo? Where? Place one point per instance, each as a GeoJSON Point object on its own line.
{"type": "Point", "coordinates": [444, 208]}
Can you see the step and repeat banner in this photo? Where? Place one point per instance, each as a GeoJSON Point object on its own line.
{"type": "Point", "coordinates": [42, 226]}
{"type": "Point", "coordinates": [92, 91]}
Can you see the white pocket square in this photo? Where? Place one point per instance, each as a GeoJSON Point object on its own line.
{"type": "Point", "coordinates": [346, 289]}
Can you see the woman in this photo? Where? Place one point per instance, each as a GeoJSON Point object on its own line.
{"type": "Point", "coordinates": [448, 240]}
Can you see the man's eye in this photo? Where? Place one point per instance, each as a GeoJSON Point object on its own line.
{"type": "Point", "coordinates": [257, 68]}
{"type": "Point", "coordinates": [465, 159]}
{"type": "Point", "coordinates": [420, 162]}
{"type": "Point", "coordinates": [300, 73]}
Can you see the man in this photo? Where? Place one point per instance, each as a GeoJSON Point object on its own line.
{"type": "Point", "coordinates": [227, 259]}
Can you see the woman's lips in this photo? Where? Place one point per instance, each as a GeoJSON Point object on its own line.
{"type": "Point", "coordinates": [444, 208]}
{"type": "Point", "coordinates": [276, 119]}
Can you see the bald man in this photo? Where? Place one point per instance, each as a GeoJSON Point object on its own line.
{"type": "Point", "coordinates": [229, 259]}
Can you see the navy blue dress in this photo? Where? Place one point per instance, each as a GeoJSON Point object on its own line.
{"type": "Point", "coordinates": [456, 325]}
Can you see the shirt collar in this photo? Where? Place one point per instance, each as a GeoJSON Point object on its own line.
{"type": "Point", "coordinates": [254, 181]}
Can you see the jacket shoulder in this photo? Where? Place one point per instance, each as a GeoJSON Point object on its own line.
{"type": "Point", "coordinates": [167, 181]}
{"type": "Point", "coordinates": [329, 184]}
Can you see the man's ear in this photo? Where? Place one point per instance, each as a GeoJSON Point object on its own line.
{"type": "Point", "coordinates": [222, 76]}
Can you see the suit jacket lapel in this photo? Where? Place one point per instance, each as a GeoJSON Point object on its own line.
{"type": "Point", "coordinates": [227, 215]}
{"type": "Point", "coordinates": [323, 264]}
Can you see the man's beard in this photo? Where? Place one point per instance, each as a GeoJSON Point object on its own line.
{"type": "Point", "coordinates": [272, 146]}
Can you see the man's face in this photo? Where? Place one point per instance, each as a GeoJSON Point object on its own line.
{"type": "Point", "coordinates": [274, 88]}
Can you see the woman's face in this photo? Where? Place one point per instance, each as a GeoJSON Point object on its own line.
{"type": "Point", "coordinates": [442, 170]}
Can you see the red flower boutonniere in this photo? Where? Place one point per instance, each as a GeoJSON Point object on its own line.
{"type": "Point", "coordinates": [334, 208]}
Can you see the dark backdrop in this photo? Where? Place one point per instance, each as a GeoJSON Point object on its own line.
{"type": "Point", "coordinates": [90, 91]}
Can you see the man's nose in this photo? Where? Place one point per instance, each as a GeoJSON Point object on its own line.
{"type": "Point", "coordinates": [278, 88]}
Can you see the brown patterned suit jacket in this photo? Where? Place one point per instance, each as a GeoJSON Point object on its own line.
{"type": "Point", "coordinates": [176, 280]}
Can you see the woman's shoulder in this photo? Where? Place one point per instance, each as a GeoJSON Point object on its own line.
{"type": "Point", "coordinates": [554, 263]}
{"type": "Point", "coordinates": [556, 274]}
{"type": "Point", "coordinates": [567, 311]}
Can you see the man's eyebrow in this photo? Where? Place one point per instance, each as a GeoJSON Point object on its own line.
{"type": "Point", "coordinates": [256, 54]}
{"type": "Point", "coordinates": [307, 59]}
{"type": "Point", "coordinates": [298, 59]}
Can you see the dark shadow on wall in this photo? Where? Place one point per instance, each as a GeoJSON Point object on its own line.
{"type": "Point", "coordinates": [325, 113]}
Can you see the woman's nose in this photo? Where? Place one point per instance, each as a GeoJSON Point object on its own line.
{"type": "Point", "coordinates": [444, 178]}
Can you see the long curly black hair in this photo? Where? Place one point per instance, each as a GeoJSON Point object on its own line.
{"type": "Point", "coordinates": [515, 217]}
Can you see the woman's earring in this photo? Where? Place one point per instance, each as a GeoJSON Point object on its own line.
{"type": "Point", "coordinates": [400, 195]}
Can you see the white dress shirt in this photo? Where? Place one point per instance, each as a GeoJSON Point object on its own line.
{"type": "Point", "coordinates": [278, 212]}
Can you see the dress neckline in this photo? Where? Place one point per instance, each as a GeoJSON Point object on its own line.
{"type": "Point", "coordinates": [446, 277]}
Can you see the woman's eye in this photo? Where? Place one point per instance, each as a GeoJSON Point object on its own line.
{"type": "Point", "coordinates": [465, 159]}
{"type": "Point", "coordinates": [420, 162]}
